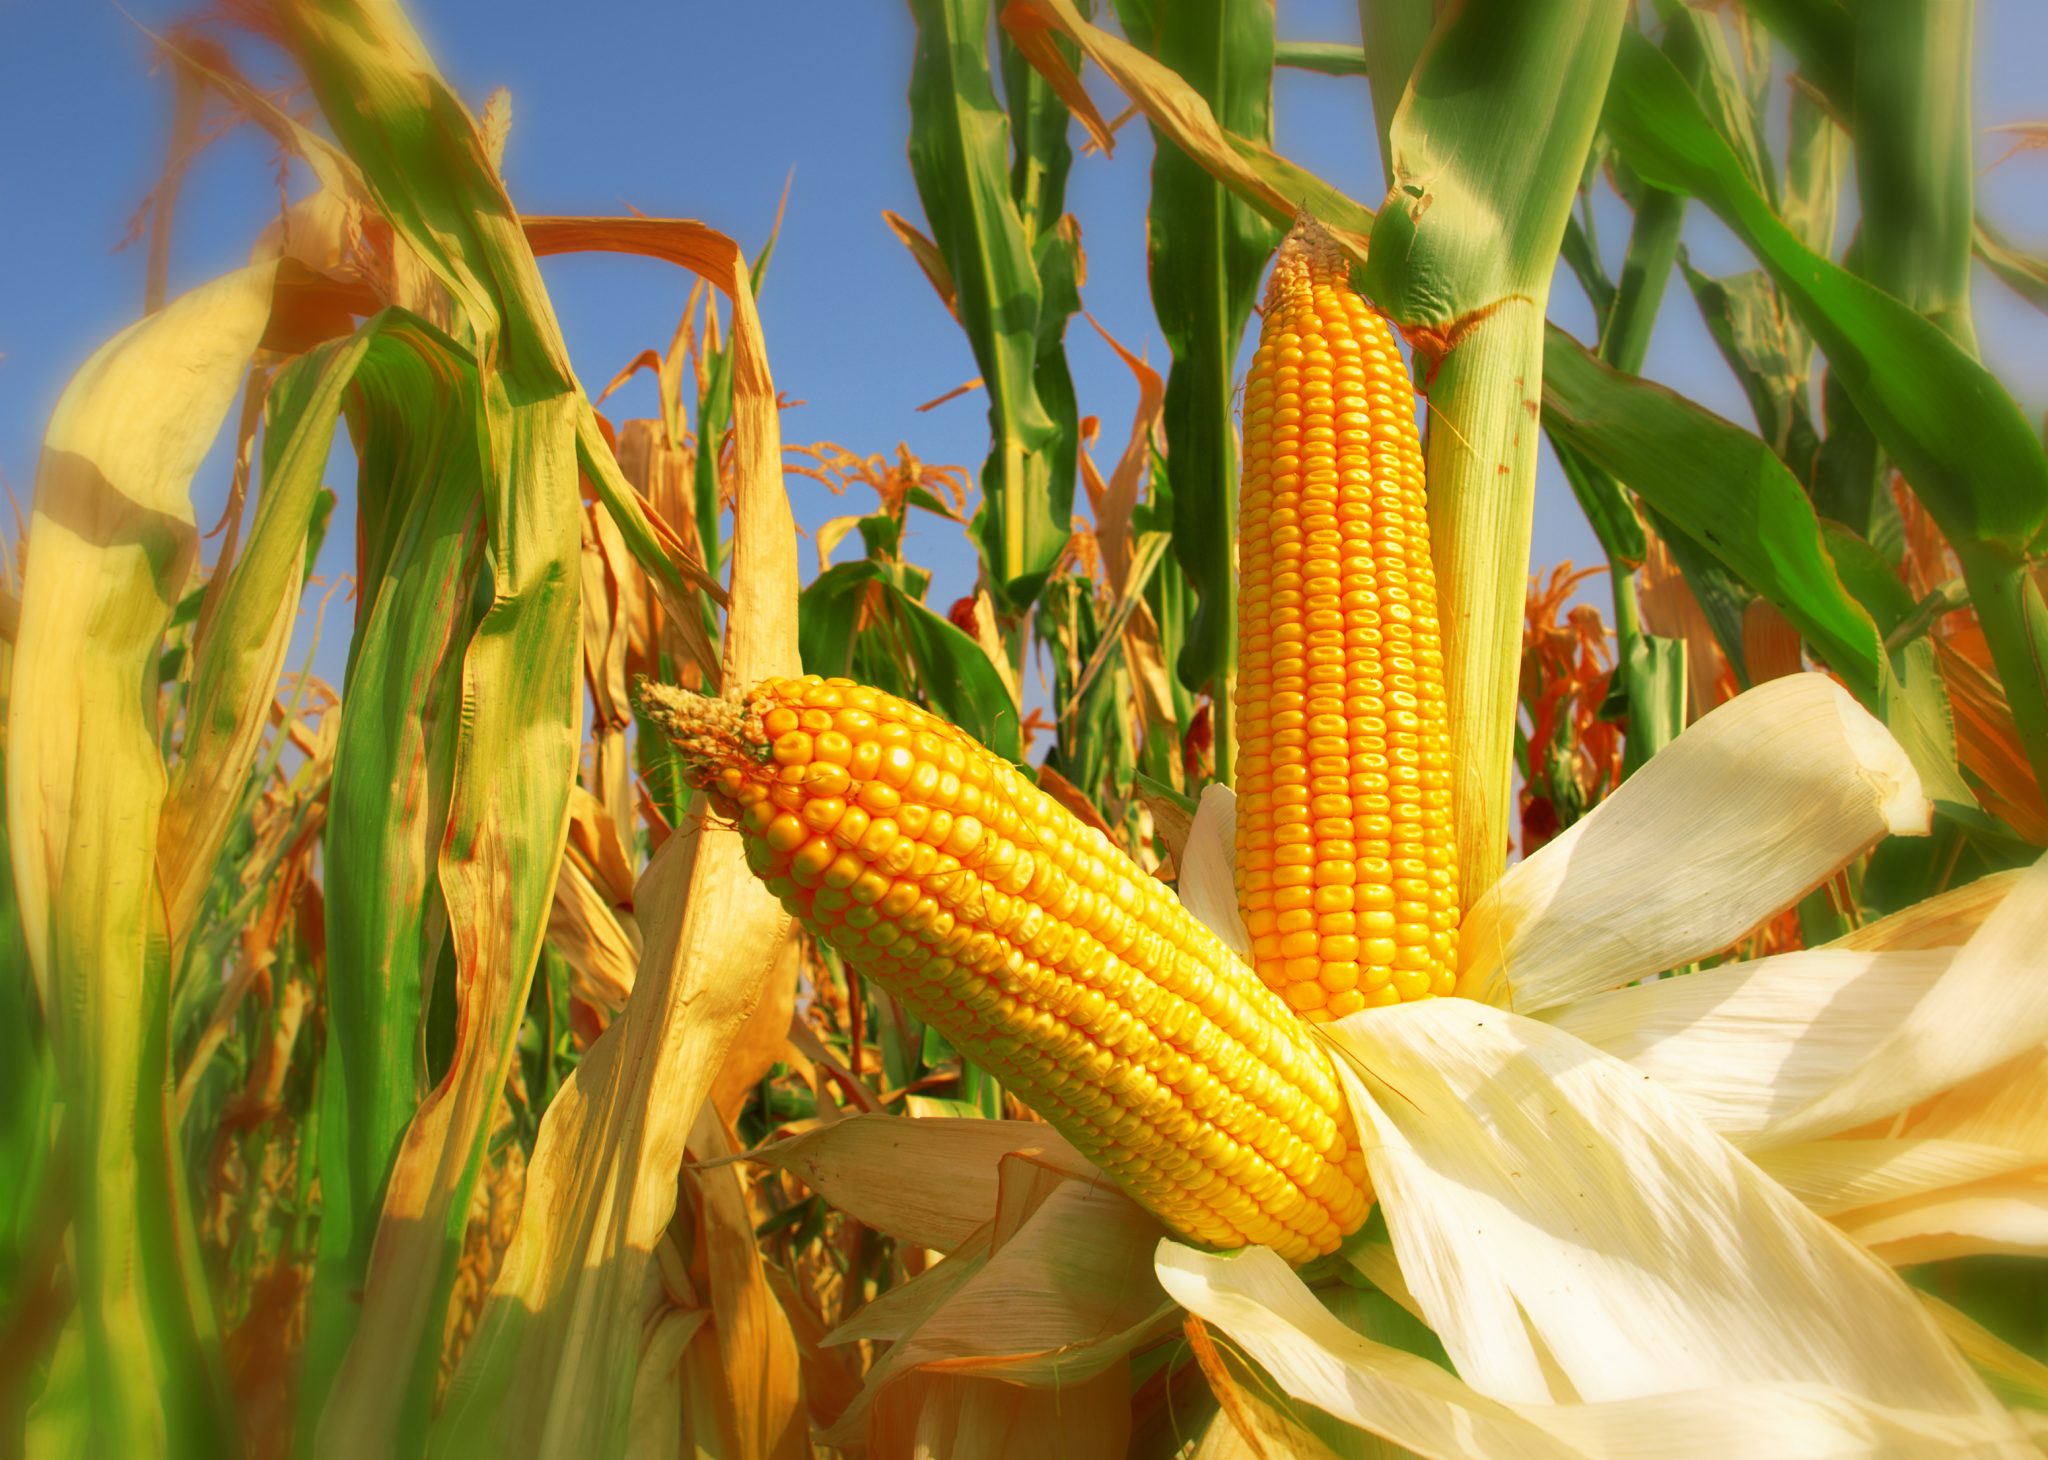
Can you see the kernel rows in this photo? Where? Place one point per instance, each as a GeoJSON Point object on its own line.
{"type": "Point", "coordinates": [1346, 860]}
{"type": "Point", "coordinates": [1047, 956]}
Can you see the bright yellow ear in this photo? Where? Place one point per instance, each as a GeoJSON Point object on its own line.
{"type": "Point", "coordinates": [1347, 860]}
{"type": "Point", "coordinates": [1041, 951]}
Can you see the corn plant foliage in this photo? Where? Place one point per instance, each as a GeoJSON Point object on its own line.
{"type": "Point", "coordinates": [114, 505]}
{"type": "Point", "coordinates": [1009, 270]}
{"type": "Point", "coordinates": [416, 405]}
{"type": "Point", "coordinates": [1250, 168]}
{"type": "Point", "coordinates": [1953, 429]}
{"type": "Point", "coordinates": [1722, 487]}
{"type": "Point", "coordinates": [1206, 253]}
{"type": "Point", "coordinates": [243, 645]}
{"type": "Point", "coordinates": [1647, 685]}
{"type": "Point", "coordinates": [861, 619]}
{"type": "Point", "coordinates": [1957, 436]}
{"type": "Point", "coordinates": [374, 1062]}
{"type": "Point", "coordinates": [514, 722]}
{"type": "Point", "coordinates": [1915, 163]}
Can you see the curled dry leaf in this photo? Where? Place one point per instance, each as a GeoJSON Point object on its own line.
{"type": "Point", "coordinates": [932, 1183]}
{"type": "Point", "coordinates": [1474, 1118]}
{"type": "Point", "coordinates": [1265, 1308]}
{"type": "Point", "coordinates": [1776, 790]}
{"type": "Point", "coordinates": [1058, 1292]}
{"type": "Point", "coordinates": [1815, 1043]}
{"type": "Point", "coordinates": [763, 1040]}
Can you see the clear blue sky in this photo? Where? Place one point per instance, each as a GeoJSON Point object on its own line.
{"type": "Point", "coordinates": [686, 108]}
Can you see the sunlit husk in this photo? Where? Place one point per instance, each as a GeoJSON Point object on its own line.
{"type": "Point", "coordinates": [1751, 808]}
{"type": "Point", "coordinates": [1264, 1308]}
{"type": "Point", "coordinates": [1809, 1044]}
{"type": "Point", "coordinates": [1046, 1289]}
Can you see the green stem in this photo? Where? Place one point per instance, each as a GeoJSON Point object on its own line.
{"type": "Point", "coordinates": [2015, 622]}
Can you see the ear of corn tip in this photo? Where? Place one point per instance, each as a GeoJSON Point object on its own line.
{"type": "Point", "coordinates": [1346, 855]}
{"type": "Point", "coordinates": [1040, 950]}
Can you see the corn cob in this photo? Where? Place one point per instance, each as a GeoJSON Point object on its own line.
{"type": "Point", "coordinates": [1041, 951]}
{"type": "Point", "coordinates": [1346, 859]}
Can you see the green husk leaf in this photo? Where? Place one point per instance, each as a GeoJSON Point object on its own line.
{"type": "Point", "coordinates": [1486, 154]}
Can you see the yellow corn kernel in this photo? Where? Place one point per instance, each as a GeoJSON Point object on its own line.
{"type": "Point", "coordinates": [1345, 771]}
{"type": "Point", "coordinates": [1044, 954]}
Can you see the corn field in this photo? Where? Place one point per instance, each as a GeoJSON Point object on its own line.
{"type": "Point", "coordinates": [1267, 969]}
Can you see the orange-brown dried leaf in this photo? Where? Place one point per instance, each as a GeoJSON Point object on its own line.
{"type": "Point", "coordinates": [1672, 612]}
{"type": "Point", "coordinates": [928, 258]}
{"type": "Point", "coordinates": [1114, 499]}
{"type": "Point", "coordinates": [763, 1039]}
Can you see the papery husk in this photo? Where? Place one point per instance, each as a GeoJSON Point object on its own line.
{"type": "Point", "coordinates": [1814, 1043]}
{"type": "Point", "coordinates": [1736, 819]}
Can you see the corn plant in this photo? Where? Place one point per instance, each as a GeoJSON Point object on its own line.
{"type": "Point", "coordinates": [668, 1000]}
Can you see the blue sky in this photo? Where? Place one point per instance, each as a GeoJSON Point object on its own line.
{"type": "Point", "coordinates": [686, 108]}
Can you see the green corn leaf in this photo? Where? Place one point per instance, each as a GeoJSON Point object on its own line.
{"type": "Point", "coordinates": [1915, 702]}
{"type": "Point", "coordinates": [1816, 158]}
{"type": "Point", "coordinates": [1851, 482]}
{"type": "Point", "coordinates": [1041, 158]}
{"type": "Point", "coordinates": [1207, 250]}
{"type": "Point", "coordinates": [1764, 350]}
{"type": "Point", "coordinates": [29, 1221]}
{"type": "Point", "coordinates": [243, 648]}
{"type": "Point", "coordinates": [1821, 35]}
{"type": "Point", "coordinates": [1094, 749]}
{"type": "Point", "coordinates": [1915, 167]}
{"type": "Point", "coordinates": [714, 418]}
{"type": "Point", "coordinates": [1649, 681]}
{"type": "Point", "coordinates": [1721, 594]}
{"type": "Point", "coordinates": [1277, 188]}
{"type": "Point", "coordinates": [1697, 42]}
{"type": "Point", "coordinates": [1583, 259]}
{"type": "Point", "coordinates": [1395, 32]}
{"type": "Point", "coordinates": [2026, 274]}
{"type": "Point", "coordinates": [1962, 444]}
{"type": "Point", "coordinates": [960, 157]}
{"type": "Point", "coordinates": [1331, 58]}
{"type": "Point", "coordinates": [1719, 486]}
{"type": "Point", "coordinates": [947, 670]}
{"type": "Point", "coordinates": [427, 166]}
{"type": "Point", "coordinates": [414, 401]}
{"type": "Point", "coordinates": [114, 542]}
{"type": "Point", "coordinates": [1651, 674]}
{"type": "Point", "coordinates": [1731, 498]}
